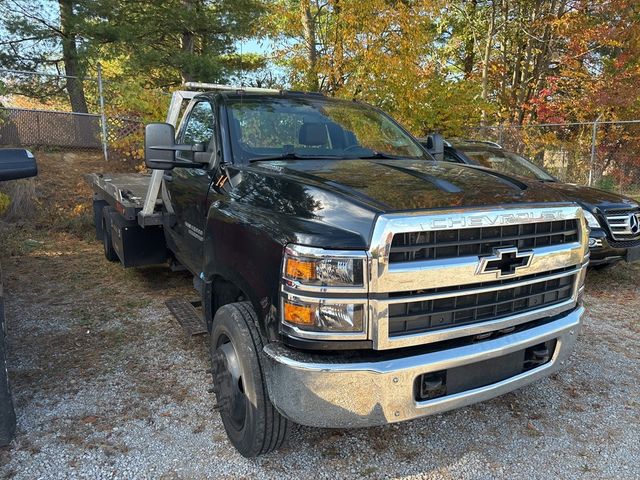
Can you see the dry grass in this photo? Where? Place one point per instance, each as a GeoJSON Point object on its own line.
{"type": "Point", "coordinates": [56, 202]}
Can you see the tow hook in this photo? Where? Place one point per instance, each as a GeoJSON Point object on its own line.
{"type": "Point", "coordinates": [433, 385]}
{"type": "Point", "coordinates": [536, 356]}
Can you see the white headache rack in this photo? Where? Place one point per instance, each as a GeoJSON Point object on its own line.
{"type": "Point", "coordinates": [177, 99]}
{"type": "Point", "coordinates": [230, 88]}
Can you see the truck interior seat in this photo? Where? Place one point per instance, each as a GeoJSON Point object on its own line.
{"type": "Point", "coordinates": [313, 134]}
{"type": "Point", "coordinates": [341, 138]}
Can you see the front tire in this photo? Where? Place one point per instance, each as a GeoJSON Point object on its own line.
{"type": "Point", "coordinates": [252, 423]}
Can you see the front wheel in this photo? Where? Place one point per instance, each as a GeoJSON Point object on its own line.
{"type": "Point", "coordinates": [252, 423]}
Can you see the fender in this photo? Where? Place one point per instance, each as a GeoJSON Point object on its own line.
{"type": "Point", "coordinates": [245, 246]}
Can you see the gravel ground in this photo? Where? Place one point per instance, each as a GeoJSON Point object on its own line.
{"type": "Point", "coordinates": [107, 386]}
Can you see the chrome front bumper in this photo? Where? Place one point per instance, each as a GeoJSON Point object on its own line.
{"type": "Point", "coordinates": [320, 393]}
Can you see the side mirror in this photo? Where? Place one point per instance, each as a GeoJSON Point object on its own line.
{"type": "Point", "coordinates": [17, 163]}
{"type": "Point", "coordinates": [435, 146]}
{"type": "Point", "coordinates": [160, 148]}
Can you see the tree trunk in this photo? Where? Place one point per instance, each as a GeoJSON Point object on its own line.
{"type": "Point", "coordinates": [337, 59]}
{"type": "Point", "coordinates": [187, 44]}
{"type": "Point", "coordinates": [74, 85]}
{"type": "Point", "coordinates": [470, 44]}
{"type": "Point", "coordinates": [309, 32]}
{"type": "Point", "coordinates": [486, 58]}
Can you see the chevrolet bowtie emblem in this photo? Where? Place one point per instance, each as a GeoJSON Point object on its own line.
{"type": "Point", "coordinates": [504, 262]}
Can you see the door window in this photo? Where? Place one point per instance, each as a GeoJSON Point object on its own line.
{"type": "Point", "coordinates": [199, 127]}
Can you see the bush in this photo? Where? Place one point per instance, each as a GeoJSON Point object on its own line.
{"type": "Point", "coordinates": [607, 182]}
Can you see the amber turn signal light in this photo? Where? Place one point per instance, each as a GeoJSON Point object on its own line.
{"type": "Point", "coordinates": [298, 314]}
{"type": "Point", "coordinates": [301, 269]}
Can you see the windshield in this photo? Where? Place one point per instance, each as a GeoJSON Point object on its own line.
{"type": "Point", "coordinates": [307, 127]}
{"type": "Point", "coordinates": [505, 162]}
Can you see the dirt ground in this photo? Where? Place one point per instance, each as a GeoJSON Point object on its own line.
{"type": "Point", "coordinates": [107, 385]}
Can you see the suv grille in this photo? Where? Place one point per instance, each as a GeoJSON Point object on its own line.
{"type": "Point", "coordinates": [463, 309]}
{"type": "Point", "coordinates": [440, 244]}
{"type": "Point", "coordinates": [620, 225]}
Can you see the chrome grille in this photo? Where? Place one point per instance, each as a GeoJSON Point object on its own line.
{"type": "Point", "coordinates": [477, 303]}
{"type": "Point", "coordinates": [441, 244]}
{"type": "Point", "coordinates": [621, 224]}
{"type": "Point", "coordinates": [426, 281]}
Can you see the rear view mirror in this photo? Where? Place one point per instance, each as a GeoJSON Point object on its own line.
{"type": "Point", "coordinates": [17, 163]}
{"type": "Point", "coordinates": [160, 148]}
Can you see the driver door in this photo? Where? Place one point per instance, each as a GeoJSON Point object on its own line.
{"type": "Point", "coordinates": [188, 188]}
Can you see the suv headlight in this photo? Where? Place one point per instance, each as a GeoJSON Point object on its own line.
{"type": "Point", "coordinates": [591, 219]}
{"type": "Point", "coordinates": [324, 292]}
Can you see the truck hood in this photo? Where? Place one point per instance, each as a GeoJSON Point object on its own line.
{"type": "Point", "coordinates": [591, 198]}
{"type": "Point", "coordinates": [334, 203]}
{"type": "Point", "coordinates": [394, 185]}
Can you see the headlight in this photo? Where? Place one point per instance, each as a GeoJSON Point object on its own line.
{"type": "Point", "coordinates": [324, 294]}
{"type": "Point", "coordinates": [592, 221]}
{"type": "Point", "coordinates": [313, 315]}
{"type": "Point", "coordinates": [324, 268]}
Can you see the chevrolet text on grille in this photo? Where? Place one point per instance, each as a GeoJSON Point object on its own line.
{"type": "Point", "coordinates": [490, 220]}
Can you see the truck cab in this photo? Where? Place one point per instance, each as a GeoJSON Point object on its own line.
{"type": "Point", "coordinates": [346, 278]}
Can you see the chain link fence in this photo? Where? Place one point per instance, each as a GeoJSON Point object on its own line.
{"type": "Point", "coordinates": [43, 129]}
{"type": "Point", "coordinates": [603, 154]}
{"type": "Point", "coordinates": [117, 137]}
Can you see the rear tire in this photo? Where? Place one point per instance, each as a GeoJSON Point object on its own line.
{"type": "Point", "coordinates": [98, 207]}
{"type": "Point", "coordinates": [252, 423]}
{"type": "Point", "coordinates": [107, 242]}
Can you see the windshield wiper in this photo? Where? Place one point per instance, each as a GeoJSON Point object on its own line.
{"type": "Point", "coordinates": [375, 155]}
{"type": "Point", "coordinates": [380, 155]}
{"type": "Point", "coordinates": [290, 156]}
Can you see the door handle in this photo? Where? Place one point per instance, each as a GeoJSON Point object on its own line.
{"type": "Point", "coordinates": [167, 177]}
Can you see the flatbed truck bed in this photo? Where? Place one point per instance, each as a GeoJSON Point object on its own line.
{"type": "Point", "coordinates": [126, 189]}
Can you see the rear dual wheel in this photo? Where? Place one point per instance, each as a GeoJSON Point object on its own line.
{"type": "Point", "coordinates": [107, 242]}
{"type": "Point", "coordinates": [252, 423]}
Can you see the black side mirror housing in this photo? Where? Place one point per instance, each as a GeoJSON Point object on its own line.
{"type": "Point", "coordinates": [159, 139]}
{"type": "Point", "coordinates": [160, 148]}
{"type": "Point", "coordinates": [17, 163]}
{"type": "Point", "coordinates": [435, 146]}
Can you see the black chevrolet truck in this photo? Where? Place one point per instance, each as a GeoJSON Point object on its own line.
{"type": "Point", "coordinates": [346, 278]}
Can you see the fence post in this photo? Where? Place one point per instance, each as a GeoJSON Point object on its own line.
{"type": "Point", "coordinates": [103, 117]}
{"type": "Point", "coordinates": [594, 135]}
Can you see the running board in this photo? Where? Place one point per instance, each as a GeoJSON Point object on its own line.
{"type": "Point", "coordinates": [185, 312]}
